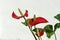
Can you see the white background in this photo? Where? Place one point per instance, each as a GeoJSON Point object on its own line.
{"type": "Point", "coordinates": [13, 29]}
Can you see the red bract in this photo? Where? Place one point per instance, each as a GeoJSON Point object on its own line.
{"type": "Point", "coordinates": [38, 20]}
{"type": "Point", "coordinates": [26, 13]}
{"type": "Point", "coordinates": [41, 33]}
{"type": "Point", "coordinates": [18, 17]}
{"type": "Point", "coordinates": [15, 16]}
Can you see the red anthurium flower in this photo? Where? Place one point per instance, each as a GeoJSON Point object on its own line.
{"type": "Point", "coordinates": [38, 20]}
{"type": "Point", "coordinates": [41, 33]}
{"type": "Point", "coordinates": [18, 17]}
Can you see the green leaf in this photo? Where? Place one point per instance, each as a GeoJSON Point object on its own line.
{"type": "Point", "coordinates": [57, 25]}
{"type": "Point", "coordinates": [49, 34]}
{"type": "Point", "coordinates": [26, 22]}
{"type": "Point", "coordinates": [57, 17]}
{"type": "Point", "coordinates": [49, 30]}
{"type": "Point", "coordinates": [35, 30]}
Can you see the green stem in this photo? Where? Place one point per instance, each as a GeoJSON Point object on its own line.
{"type": "Point", "coordinates": [55, 37]}
{"type": "Point", "coordinates": [38, 38]}
{"type": "Point", "coordinates": [25, 20]}
{"type": "Point", "coordinates": [41, 38]}
{"type": "Point", "coordinates": [33, 33]}
{"type": "Point", "coordinates": [31, 30]}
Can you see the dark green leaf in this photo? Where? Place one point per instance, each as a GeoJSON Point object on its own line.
{"type": "Point", "coordinates": [49, 34]}
{"type": "Point", "coordinates": [49, 30]}
{"type": "Point", "coordinates": [57, 17]}
{"type": "Point", "coordinates": [57, 25]}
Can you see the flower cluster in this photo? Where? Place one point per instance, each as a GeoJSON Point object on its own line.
{"type": "Point", "coordinates": [32, 22]}
{"type": "Point", "coordinates": [18, 17]}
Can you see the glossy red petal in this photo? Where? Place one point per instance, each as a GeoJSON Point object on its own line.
{"type": "Point", "coordinates": [31, 22]}
{"type": "Point", "coordinates": [38, 20]}
{"type": "Point", "coordinates": [26, 13]}
{"type": "Point", "coordinates": [41, 32]}
{"type": "Point", "coordinates": [15, 16]}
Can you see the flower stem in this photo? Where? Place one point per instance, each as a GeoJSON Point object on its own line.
{"type": "Point", "coordinates": [31, 30]}
{"type": "Point", "coordinates": [25, 20]}
{"type": "Point", "coordinates": [33, 33]}
{"type": "Point", "coordinates": [55, 36]}
{"type": "Point", "coordinates": [38, 38]}
{"type": "Point", "coordinates": [41, 38]}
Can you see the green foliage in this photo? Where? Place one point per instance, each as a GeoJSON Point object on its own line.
{"type": "Point", "coordinates": [49, 30]}
{"type": "Point", "coordinates": [49, 34]}
{"type": "Point", "coordinates": [57, 17]}
{"type": "Point", "coordinates": [26, 22]}
{"type": "Point", "coordinates": [57, 25]}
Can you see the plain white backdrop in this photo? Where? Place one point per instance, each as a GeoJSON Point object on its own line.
{"type": "Point", "coordinates": [12, 29]}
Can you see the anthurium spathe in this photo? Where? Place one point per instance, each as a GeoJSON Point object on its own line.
{"type": "Point", "coordinates": [32, 22]}
{"type": "Point", "coordinates": [18, 17]}
{"type": "Point", "coordinates": [41, 33]}
{"type": "Point", "coordinates": [15, 16]}
{"type": "Point", "coordinates": [38, 20]}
